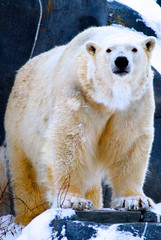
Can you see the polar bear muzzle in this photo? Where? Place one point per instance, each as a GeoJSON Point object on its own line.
{"type": "Point", "coordinates": [121, 66]}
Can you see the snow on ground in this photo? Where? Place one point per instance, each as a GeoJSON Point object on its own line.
{"type": "Point", "coordinates": [9, 230]}
{"type": "Point", "coordinates": [39, 228]}
{"type": "Point", "coordinates": [113, 234]}
{"type": "Point", "coordinates": [157, 208]}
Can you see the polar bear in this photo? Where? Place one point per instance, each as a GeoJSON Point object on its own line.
{"type": "Point", "coordinates": [79, 113]}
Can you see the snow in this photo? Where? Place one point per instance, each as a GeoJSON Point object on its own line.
{"type": "Point", "coordinates": [157, 208]}
{"type": "Point", "coordinates": [39, 228]}
{"type": "Point", "coordinates": [113, 234]}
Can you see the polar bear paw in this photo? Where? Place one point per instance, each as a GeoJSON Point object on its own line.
{"type": "Point", "coordinates": [77, 203]}
{"type": "Point", "coordinates": [133, 203]}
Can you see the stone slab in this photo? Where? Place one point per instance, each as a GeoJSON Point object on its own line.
{"type": "Point", "coordinates": [107, 216]}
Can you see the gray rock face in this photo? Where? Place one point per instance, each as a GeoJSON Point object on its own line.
{"type": "Point", "coordinates": [18, 23]}
{"type": "Point", "coordinates": [62, 20]}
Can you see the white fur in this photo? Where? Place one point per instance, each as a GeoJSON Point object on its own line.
{"type": "Point", "coordinates": [121, 90]}
{"type": "Point", "coordinates": [72, 118]}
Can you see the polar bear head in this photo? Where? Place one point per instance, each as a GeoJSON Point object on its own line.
{"type": "Point", "coordinates": [120, 69]}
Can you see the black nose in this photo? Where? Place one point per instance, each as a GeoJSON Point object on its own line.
{"type": "Point", "coordinates": [121, 62]}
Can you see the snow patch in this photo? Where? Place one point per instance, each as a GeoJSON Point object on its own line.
{"type": "Point", "coordinates": [39, 229]}
{"type": "Point", "coordinates": [157, 208]}
{"type": "Point", "coordinates": [112, 234]}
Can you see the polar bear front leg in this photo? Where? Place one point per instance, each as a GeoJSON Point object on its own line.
{"type": "Point", "coordinates": [127, 176]}
{"type": "Point", "coordinates": [65, 155]}
{"type": "Point", "coordinates": [63, 177]}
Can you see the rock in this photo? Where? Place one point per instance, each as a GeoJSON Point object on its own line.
{"type": "Point", "coordinates": [74, 229]}
{"type": "Point", "coordinates": [148, 216]}
{"type": "Point", "coordinates": [62, 20]}
{"type": "Point", "coordinates": [159, 2]}
{"type": "Point", "coordinates": [152, 186]}
{"type": "Point", "coordinates": [79, 230]}
{"type": "Point", "coordinates": [157, 91]}
{"type": "Point", "coordinates": [121, 14]}
{"type": "Point", "coordinates": [146, 231]}
{"type": "Point", "coordinates": [18, 23]}
{"type": "Point", "coordinates": [108, 216]}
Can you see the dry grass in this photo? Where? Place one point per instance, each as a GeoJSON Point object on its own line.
{"type": "Point", "coordinates": [8, 225]}
{"type": "Point", "coordinates": [63, 191]}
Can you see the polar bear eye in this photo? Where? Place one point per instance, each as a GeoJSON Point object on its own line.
{"type": "Point", "coordinates": [134, 50]}
{"type": "Point", "coordinates": [108, 50]}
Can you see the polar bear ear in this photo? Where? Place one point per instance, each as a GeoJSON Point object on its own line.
{"type": "Point", "coordinates": [91, 48]}
{"type": "Point", "coordinates": [149, 43]}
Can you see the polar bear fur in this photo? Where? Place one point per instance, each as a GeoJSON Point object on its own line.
{"type": "Point", "coordinates": [74, 117]}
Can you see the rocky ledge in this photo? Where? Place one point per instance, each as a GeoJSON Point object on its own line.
{"type": "Point", "coordinates": [102, 223]}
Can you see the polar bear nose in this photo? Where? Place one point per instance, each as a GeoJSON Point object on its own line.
{"type": "Point", "coordinates": [121, 62]}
